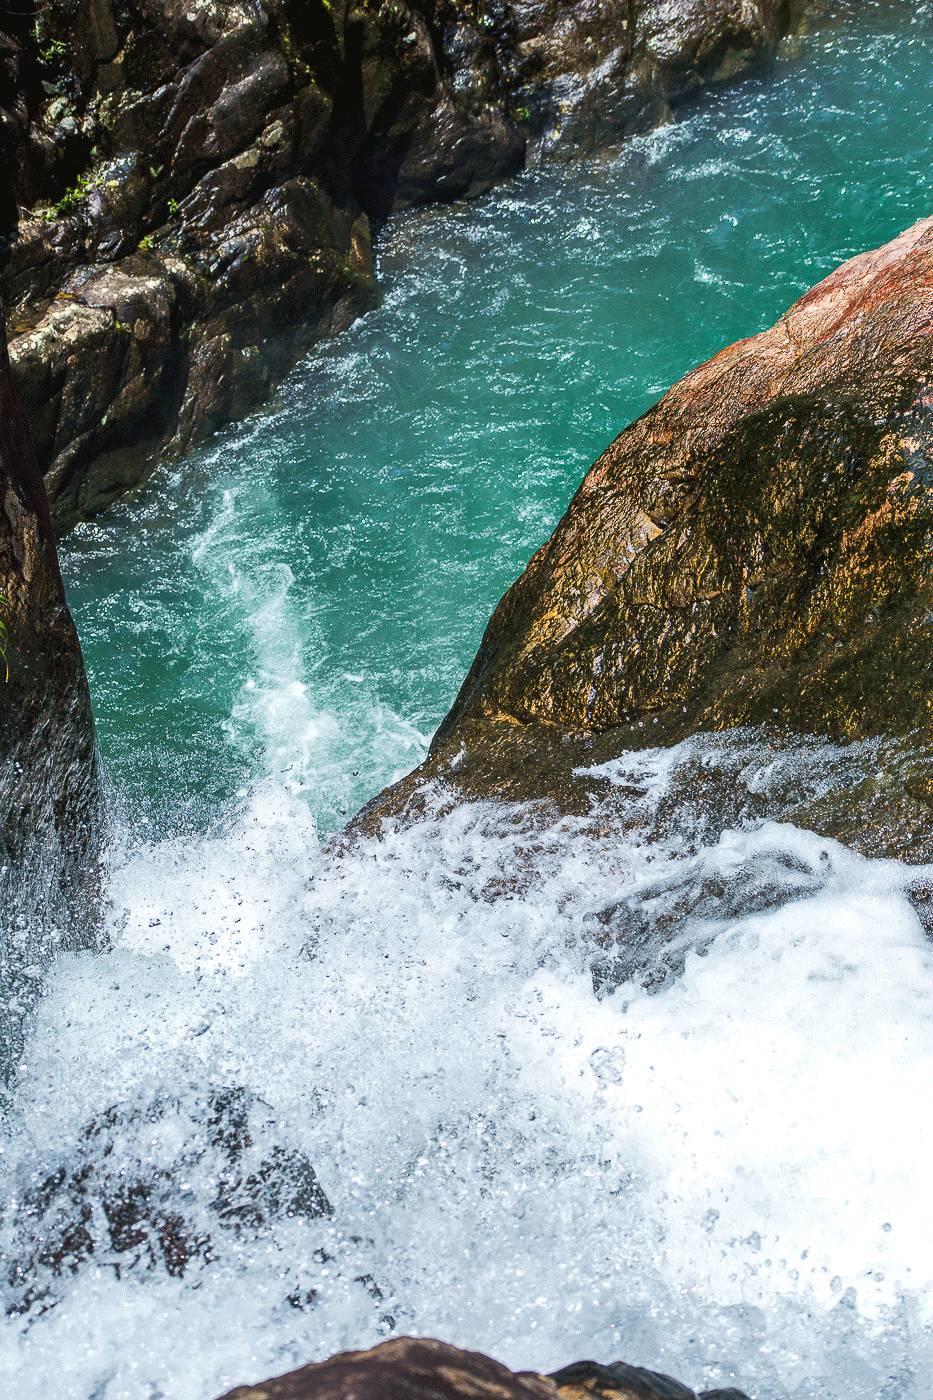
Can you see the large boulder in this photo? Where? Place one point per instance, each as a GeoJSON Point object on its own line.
{"type": "Point", "coordinates": [754, 551]}
{"type": "Point", "coordinates": [409, 1368]}
{"type": "Point", "coordinates": [201, 181]}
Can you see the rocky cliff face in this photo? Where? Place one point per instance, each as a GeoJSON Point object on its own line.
{"type": "Point", "coordinates": [754, 551]}
{"type": "Point", "coordinates": [49, 833]}
{"type": "Point", "coordinates": [201, 178]}
{"type": "Point", "coordinates": [408, 1368]}
{"type": "Point", "coordinates": [50, 825]}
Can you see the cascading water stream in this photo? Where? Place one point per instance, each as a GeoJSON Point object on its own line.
{"type": "Point", "coordinates": [540, 1090]}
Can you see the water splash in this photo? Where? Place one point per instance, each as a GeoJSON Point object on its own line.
{"type": "Point", "coordinates": [521, 1151]}
{"type": "Point", "coordinates": [657, 1094]}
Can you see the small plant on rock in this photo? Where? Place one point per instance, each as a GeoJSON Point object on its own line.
{"type": "Point", "coordinates": [50, 50]}
{"type": "Point", "coordinates": [74, 196]}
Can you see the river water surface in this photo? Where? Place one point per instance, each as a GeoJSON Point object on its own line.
{"type": "Point", "coordinates": [717, 1165]}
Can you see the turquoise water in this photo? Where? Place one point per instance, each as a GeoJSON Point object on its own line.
{"type": "Point", "coordinates": [718, 1166]}
{"type": "Point", "coordinates": [305, 595]}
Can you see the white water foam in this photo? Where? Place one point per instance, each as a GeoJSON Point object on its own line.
{"type": "Point", "coordinates": [722, 1173]}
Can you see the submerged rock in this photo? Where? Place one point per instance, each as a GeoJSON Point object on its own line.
{"type": "Point", "coordinates": [202, 180]}
{"type": "Point", "coordinates": [410, 1368]}
{"type": "Point", "coordinates": [754, 551]}
{"type": "Point", "coordinates": [113, 1196]}
{"type": "Point", "coordinates": [49, 825]}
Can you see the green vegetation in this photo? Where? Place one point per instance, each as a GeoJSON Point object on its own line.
{"type": "Point", "coordinates": [73, 196]}
{"type": "Point", "coordinates": [51, 50]}
{"type": "Point", "coordinates": [173, 206]}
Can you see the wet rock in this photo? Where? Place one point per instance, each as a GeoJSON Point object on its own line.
{"type": "Point", "coordinates": [591, 74]}
{"type": "Point", "coordinates": [409, 1368]}
{"type": "Point", "coordinates": [154, 1185]}
{"type": "Point", "coordinates": [753, 551]}
{"type": "Point", "coordinates": [199, 184]}
{"type": "Point", "coordinates": [219, 167]}
{"type": "Point", "coordinates": [624, 1382]}
{"type": "Point", "coordinates": [50, 822]}
{"type": "Point", "coordinates": [754, 546]}
{"type": "Point", "coordinates": [101, 368]}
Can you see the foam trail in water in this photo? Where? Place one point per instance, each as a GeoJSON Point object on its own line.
{"type": "Point", "coordinates": [313, 731]}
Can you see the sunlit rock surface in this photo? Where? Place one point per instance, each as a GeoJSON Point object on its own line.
{"type": "Point", "coordinates": [590, 73]}
{"type": "Point", "coordinates": [201, 181]}
{"type": "Point", "coordinates": [409, 1368]}
{"type": "Point", "coordinates": [753, 551]}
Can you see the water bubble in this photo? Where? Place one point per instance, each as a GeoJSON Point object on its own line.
{"type": "Point", "coordinates": [608, 1064]}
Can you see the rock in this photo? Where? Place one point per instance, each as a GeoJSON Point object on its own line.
{"type": "Point", "coordinates": [206, 215]}
{"type": "Point", "coordinates": [593, 74]}
{"type": "Point", "coordinates": [618, 1381]}
{"type": "Point", "coordinates": [409, 1368]}
{"type": "Point", "coordinates": [50, 827]}
{"type": "Point", "coordinates": [217, 169]}
{"type": "Point", "coordinates": [753, 551]}
{"type": "Point", "coordinates": [114, 1192]}
{"type": "Point", "coordinates": [50, 830]}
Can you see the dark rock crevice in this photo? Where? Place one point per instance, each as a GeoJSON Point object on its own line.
{"type": "Point", "coordinates": [50, 824]}
{"type": "Point", "coordinates": [50, 830]}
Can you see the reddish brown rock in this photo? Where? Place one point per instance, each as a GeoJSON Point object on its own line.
{"type": "Point", "coordinates": [755, 550]}
{"type": "Point", "coordinates": [409, 1368]}
{"type": "Point", "coordinates": [754, 546]}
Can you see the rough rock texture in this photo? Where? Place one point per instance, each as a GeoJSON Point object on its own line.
{"type": "Point", "coordinates": [202, 177]}
{"type": "Point", "coordinates": [112, 1194]}
{"type": "Point", "coordinates": [408, 1368]}
{"type": "Point", "coordinates": [755, 550]}
{"type": "Point", "coordinates": [591, 72]}
{"type": "Point", "coordinates": [49, 829]}
{"type": "Point", "coordinates": [49, 821]}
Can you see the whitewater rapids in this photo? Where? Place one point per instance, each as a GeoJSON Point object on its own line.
{"type": "Point", "coordinates": [718, 1166]}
